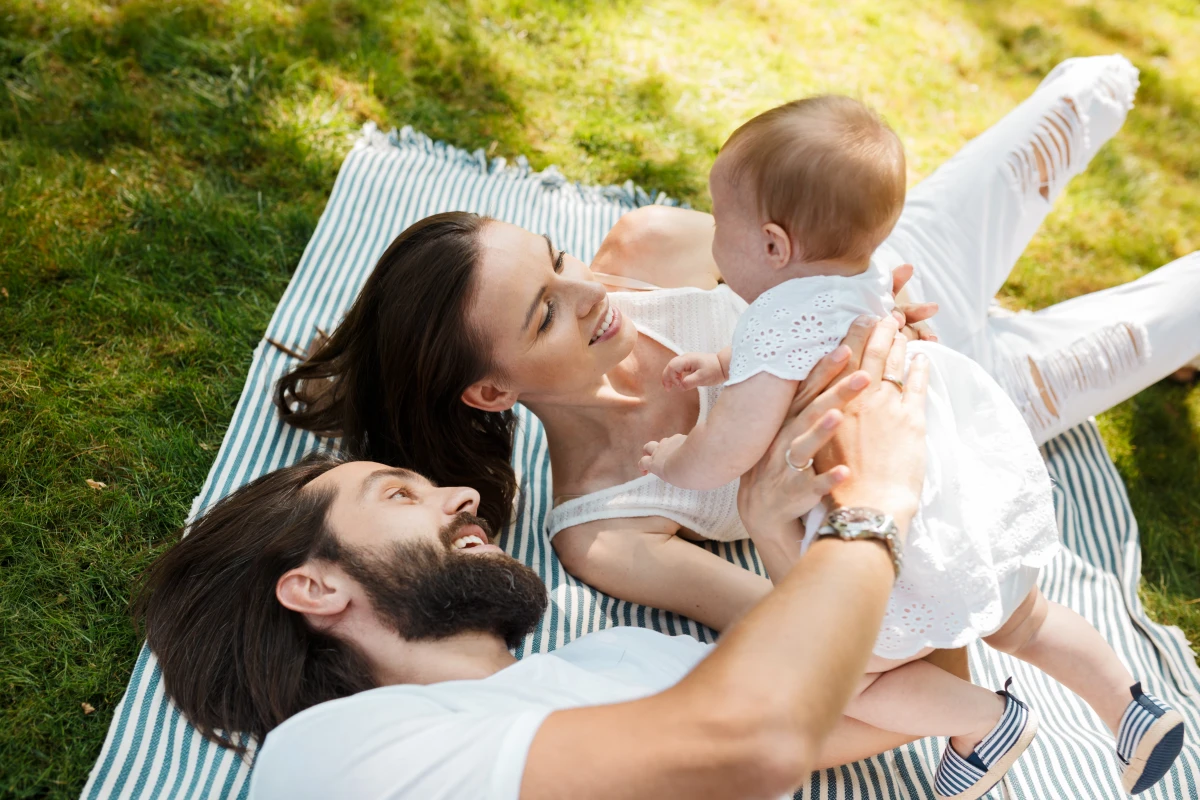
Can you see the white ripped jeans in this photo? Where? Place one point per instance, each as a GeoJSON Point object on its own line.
{"type": "Point", "coordinates": [964, 227]}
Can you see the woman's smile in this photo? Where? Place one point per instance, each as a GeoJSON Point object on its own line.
{"type": "Point", "coordinates": [608, 326]}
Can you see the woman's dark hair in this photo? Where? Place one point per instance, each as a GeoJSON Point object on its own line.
{"type": "Point", "coordinates": [233, 658]}
{"type": "Point", "coordinates": [390, 379]}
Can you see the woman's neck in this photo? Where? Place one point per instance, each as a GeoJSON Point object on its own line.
{"type": "Point", "coordinates": [592, 414]}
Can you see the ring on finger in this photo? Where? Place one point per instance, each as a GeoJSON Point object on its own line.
{"type": "Point", "coordinates": [893, 379]}
{"type": "Point", "coordinates": [787, 456]}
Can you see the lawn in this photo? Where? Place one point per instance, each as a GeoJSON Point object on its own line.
{"type": "Point", "coordinates": [163, 164]}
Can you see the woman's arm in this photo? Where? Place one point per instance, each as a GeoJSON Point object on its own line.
{"type": "Point", "coordinates": [664, 246]}
{"type": "Point", "coordinates": [753, 718]}
{"type": "Point", "coordinates": [642, 560]}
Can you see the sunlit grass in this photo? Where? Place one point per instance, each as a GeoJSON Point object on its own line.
{"type": "Point", "coordinates": [162, 165]}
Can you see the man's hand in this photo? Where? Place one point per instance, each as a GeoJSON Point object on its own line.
{"type": "Point", "coordinates": [655, 454]}
{"type": "Point", "coordinates": [693, 370]}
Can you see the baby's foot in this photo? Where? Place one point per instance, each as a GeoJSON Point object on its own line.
{"type": "Point", "coordinates": [960, 778]}
{"type": "Point", "coordinates": [1148, 740]}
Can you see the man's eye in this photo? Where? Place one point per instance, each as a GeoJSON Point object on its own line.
{"type": "Point", "coordinates": [400, 492]}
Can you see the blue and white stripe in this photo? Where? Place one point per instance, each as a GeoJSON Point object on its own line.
{"type": "Point", "coordinates": [1143, 711]}
{"type": "Point", "coordinates": [956, 774]}
{"type": "Point", "coordinates": [389, 181]}
{"type": "Point", "coordinates": [1007, 731]}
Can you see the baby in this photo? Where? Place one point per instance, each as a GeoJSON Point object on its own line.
{"type": "Point", "coordinates": [804, 195]}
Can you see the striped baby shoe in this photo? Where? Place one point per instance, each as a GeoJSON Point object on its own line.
{"type": "Point", "coordinates": [1148, 740]}
{"type": "Point", "coordinates": [968, 778]}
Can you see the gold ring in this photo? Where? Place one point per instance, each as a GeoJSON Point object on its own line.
{"type": "Point", "coordinates": [893, 379]}
{"type": "Point", "coordinates": [787, 456]}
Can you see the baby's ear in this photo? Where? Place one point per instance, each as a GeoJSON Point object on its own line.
{"type": "Point", "coordinates": [778, 246]}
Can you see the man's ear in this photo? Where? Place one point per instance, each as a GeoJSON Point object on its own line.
{"type": "Point", "coordinates": [489, 397]}
{"type": "Point", "coordinates": [313, 589]}
{"type": "Point", "coordinates": [778, 246]}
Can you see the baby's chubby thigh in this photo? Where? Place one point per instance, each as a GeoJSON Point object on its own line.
{"type": "Point", "coordinates": [877, 665]}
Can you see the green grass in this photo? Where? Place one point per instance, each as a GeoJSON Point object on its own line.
{"type": "Point", "coordinates": [163, 164]}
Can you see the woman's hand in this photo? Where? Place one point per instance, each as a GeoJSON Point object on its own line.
{"type": "Point", "coordinates": [866, 439]}
{"type": "Point", "coordinates": [913, 317]}
{"type": "Point", "coordinates": [881, 438]}
{"type": "Point", "coordinates": [773, 495]}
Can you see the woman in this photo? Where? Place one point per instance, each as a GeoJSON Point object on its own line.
{"type": "Point", "coordinates": [517, 320]}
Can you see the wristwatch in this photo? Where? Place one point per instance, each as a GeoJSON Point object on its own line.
{"type": "Point", "coordinates": [865, 523]}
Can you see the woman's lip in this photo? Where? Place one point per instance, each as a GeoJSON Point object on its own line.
{"type": "Point", "coordinates": [612, 329]}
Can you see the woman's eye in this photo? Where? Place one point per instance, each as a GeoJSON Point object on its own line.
{"type": "Point", "coordinates": [549, 317]}
{"type": "Point", "coordinates": [558, 262]}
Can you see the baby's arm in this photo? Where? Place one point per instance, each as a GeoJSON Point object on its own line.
{"type": "Point", "coordinates": [719, 449]}
{"type": "Point", "coordinates": [693, 370]}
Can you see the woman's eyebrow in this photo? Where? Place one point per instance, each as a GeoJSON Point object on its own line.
{"type": "Point", "coordinates": [550, 245]}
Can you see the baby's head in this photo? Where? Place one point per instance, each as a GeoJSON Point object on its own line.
{"type": "Point", "coordinates": [810, 187]}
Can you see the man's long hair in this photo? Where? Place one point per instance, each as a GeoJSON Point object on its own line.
{"type": "Point", "coordinates": [233, 658]}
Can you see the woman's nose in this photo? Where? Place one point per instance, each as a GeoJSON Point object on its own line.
{"type": "Point", "coordinates": [590, 295]}
{"type": "Point", "coordinates": [460, 499]}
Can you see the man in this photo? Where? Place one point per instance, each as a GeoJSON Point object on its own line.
{"type": "Point", "coordinates": [362, 617]}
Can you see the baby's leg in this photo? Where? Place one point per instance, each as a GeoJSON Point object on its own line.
{"type": "Point", "coordinates": [920, 699]}
{"type": "Point", "coordinates": [629, 559]}
{"type": "Point", "coordinates": [1066, 647]}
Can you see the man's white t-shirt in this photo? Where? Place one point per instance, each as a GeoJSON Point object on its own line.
{"type": "Point", "coordinates": [460, 739]}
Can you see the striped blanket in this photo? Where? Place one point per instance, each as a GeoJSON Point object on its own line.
{"type": "Point", "coordinates": [390, 181]}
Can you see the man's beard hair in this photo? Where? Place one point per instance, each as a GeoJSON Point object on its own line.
{"type": "Point", "coordinates": [428, 591]}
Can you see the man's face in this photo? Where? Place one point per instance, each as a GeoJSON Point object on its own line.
{"type": "Point", "coordinates": [424, 560]}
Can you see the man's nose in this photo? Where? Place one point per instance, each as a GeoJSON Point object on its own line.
{"type": "Point", "coordinates": [460, 499]}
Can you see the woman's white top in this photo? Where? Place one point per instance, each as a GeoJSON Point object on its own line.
{"type": "Point", "coordinates": [683, 321]}
{"type": "Point", "coordinates": [986, 519]}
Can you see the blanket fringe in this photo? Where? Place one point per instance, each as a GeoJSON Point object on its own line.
{"type": "Point", "coordinates": [627, 194]}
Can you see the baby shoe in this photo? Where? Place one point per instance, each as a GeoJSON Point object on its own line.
{"type": "Point", "coordinates": [1148, 740]}
{"type": "Point", "coordinates": [968, 778]}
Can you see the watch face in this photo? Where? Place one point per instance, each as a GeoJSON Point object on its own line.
{"type": "Point", "coordinates": [857, 519]}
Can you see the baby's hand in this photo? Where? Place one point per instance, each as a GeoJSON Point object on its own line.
{"type": "Point", "coordinates": [692, 370]}
{"type": "Point", "coordinates": [655, 454]}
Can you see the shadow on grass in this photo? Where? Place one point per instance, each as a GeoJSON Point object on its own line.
{"type": "Point", "coordinates": [163, 167]}
{"type": "Point", "coordinates": [1163, 485]}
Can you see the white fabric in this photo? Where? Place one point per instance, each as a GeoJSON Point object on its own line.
{"type": "Point", "coordinates": [684, 321]}
{"type": "Point", "coordinates": [964, 227]}
{"type": "Point", "coordinates": [792, 326]}
{"type": "Point", "coordinates": [460, 739]}
{"type": "Point", "coordinates": [986, 522]}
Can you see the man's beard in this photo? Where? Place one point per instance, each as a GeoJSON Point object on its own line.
{"type": "Point", "coordinates": [428, 591]}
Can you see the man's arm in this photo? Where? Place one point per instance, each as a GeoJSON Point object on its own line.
{"type": "Point", "coordinates": [751, 720]}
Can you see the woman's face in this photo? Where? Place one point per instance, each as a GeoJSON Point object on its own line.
{"type": "Point", "coordinates": [548, 321]}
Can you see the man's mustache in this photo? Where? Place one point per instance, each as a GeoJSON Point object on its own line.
{"type": "Point", "coordinates": [452, 531]}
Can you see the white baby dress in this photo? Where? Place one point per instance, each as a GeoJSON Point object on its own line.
{"type": "Point", "coordinates": [986, 522]}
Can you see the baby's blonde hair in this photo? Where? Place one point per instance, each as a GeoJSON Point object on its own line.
{"type": "Point", "coordinates": [827, 169]}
